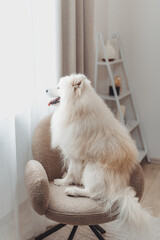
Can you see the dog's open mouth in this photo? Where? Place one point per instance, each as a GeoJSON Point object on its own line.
{"type": "Point", "coordinates": [54, 101]}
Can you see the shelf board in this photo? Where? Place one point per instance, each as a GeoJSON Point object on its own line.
{"type": "Point", "coordinates": [116, 61]}
{"type": "Point", "coordinates": [131, 124]}
{"type": "Point", "coordinates": [112, 98]}
{"type": "Point", "coordinates": [109, 63]}
{"type": "Point", "coordinates": [142, 155]}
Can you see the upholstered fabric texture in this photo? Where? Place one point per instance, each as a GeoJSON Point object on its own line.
{"type": "Point", "coordinates": [51, 200]}
{"type": "Point", "coordinates": [42, 152]}
{"type": "Point", "coordinates": [73, 210]}
{"type": "Point", "coordinates": [37, 184]}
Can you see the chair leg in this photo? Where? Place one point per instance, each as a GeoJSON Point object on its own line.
{"type": "Point", "coordinates": [50, 231]}
{"type": "Point", "coordinates": [98, 235]}
{"type": "Point", "coordinates": [71, 236]}
{"type": "Point", "coordinates": [100, 229]}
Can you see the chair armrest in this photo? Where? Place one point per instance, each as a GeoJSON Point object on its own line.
{"type": "Point", "coordinates": [37, 184]}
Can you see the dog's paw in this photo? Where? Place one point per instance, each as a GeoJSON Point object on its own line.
{"type": "Point", "coordinates": [59, 182]}
{"type": "Point", "coordinates": [71, 191]}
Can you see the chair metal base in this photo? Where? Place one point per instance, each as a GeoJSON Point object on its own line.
{"type": "Point", "coordinates": [96, 232]}
{"type": "Point", "coordinates": [96, 229]}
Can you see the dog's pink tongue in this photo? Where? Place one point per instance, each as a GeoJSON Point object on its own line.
{"type": "Point", "coordinates": [54, 101]}
{"type": "Point", "coordinates": [51, 102]}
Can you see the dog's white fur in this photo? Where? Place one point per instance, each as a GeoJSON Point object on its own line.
{"type": "Point", "coordinates": [98, 151]}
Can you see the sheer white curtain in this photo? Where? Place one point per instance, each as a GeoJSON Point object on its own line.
{"type": "Point", "coordinates": [29, 64]}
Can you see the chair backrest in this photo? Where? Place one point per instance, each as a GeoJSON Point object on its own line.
{"type": "Point", "coordinates": [52, 161]}
{"type": "Point", "coordinates": [137, 181]}
{"type": "Point", "coordinates": [42, 152]}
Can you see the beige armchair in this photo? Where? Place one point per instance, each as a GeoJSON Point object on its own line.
{"type": "Point", "coordinates": [51, 201]}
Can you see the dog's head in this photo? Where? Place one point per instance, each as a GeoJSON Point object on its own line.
{"type": "Point", "coordinates": [69, 86]}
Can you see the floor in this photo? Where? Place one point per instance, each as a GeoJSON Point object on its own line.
{"type": "Point", "coordinates": [151, 195]}
{"type": "Point", "coordinates": [151, 200]}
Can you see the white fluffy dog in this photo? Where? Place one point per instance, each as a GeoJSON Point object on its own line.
{"type": "Point", "coordinates": [97, 149]}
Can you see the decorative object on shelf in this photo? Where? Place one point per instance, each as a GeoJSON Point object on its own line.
{"type": "Point", "coordinates": [117, 82]}
{"type": "Point", "coordinates": [116, 47]}
{"type": "Point", "coordinates": [123, 110]}
{"type": "Point", "coordinates": [111, 52]}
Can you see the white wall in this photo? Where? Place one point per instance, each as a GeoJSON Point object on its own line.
{"type": "Point", "coordinates": [101, 16]}
{"type": "Point", "coordinates": [138, 23]}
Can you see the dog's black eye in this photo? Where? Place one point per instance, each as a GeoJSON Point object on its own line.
{"type": "Point", "coordinates": [57, 87]}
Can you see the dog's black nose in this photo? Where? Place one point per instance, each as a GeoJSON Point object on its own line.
{"type": "Point", "coordinates": [46, 90]}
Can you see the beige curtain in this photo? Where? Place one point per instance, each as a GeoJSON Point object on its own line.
{"type": "Point", "coordinates": [78, 37]}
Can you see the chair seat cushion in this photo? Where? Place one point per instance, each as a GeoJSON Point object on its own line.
{"type": "Point", "coordinates": [74, 210]}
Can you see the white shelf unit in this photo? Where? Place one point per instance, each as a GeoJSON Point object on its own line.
{"type": "Point", "coordinates": [132, 124]}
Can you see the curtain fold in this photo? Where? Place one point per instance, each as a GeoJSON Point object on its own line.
{"type": "Point", "coordinates": [78, 37]}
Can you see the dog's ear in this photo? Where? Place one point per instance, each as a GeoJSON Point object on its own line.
{"type": "Point", "coordinates": [78, 82]}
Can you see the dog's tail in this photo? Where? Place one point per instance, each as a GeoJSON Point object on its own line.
{"type": "Point", "coordinates": [131, 212]}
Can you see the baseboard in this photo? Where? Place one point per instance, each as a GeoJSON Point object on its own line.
{"type": "Point", "coordinates": [155, 160]}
